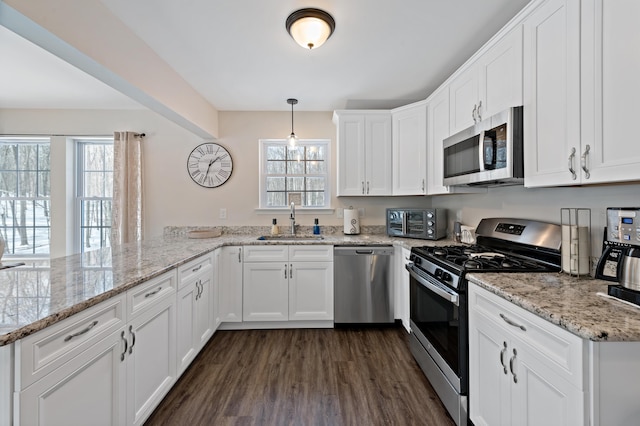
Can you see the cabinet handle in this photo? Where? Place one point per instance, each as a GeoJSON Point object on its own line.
{"type": "Point", "coordinates": [81, 332]}
{"type": "Point", "coordinates": [367, 187]}
{"type": "Point", "coordinates": [285, 271]}
{"type": "Point", "coordinates": [512, 323]}
{"type": "Point", "coordinates": [126, 345]}
{"type": "Point", "coordinates": [583, 161]}
{"type": "Point", "coordinates": [362, 187]}
{"type": "Point", "coordinates": [153, 293]}
{"type": "Point", "coordinates": [502, 352]}
{"type": "Point", "coordinates": [478, 111]}
{"type": "Point", "coordinates": [511, 361]}
{"type": "Point", "coordinates": [571, 169]}
{"type": "Point", "coordinates": [473, 113]}
{"type": "Point", "coordinates": [197, 269]}
{"type": "Point", "coordinates": [422, 185]}
{"type": "Point", "coordinates": [240, 255]}
{"type": "Point", "coordinates": [133, 339]}
{"type": "Point", "coordinates": [291, 270]}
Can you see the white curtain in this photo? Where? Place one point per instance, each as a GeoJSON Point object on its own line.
{"type": "Point", "coordinates": [127, 209]}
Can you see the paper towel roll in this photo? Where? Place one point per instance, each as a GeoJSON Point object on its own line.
{"type": "Point", "coordinates": [351, 221]}
{"type": "Point", "coordinates": [575, 249]}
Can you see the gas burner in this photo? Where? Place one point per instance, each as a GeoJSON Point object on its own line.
{"type": "Point", "coordinates": [440, 251]}
{"type": "Point", "coordinates": [472, 264]}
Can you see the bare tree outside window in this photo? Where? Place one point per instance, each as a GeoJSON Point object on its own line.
{"type": "Point", "coordinates": [25, 188]}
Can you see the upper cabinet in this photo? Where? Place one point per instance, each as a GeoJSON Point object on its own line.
{"type": "Point", "coordinates": [437, 131]}
{"type": "Point", "coordinates": [492, 83]}
{"type": "Point", "coordinates": [580, 93]}
{"type": "Point", "coordinates": [552, 94]}
{"type": "Point", "coordinates": [409, 140]}
{"type": "Point", "coordinates": [364, 152]}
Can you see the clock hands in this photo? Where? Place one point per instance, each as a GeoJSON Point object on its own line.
{"type": "Point", "coordinates": [209, 166]}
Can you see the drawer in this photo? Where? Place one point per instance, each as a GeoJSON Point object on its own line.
{"type": "Point", "coordinates": [189, 271]}
{"type": "Point", "coordinates": [311, 253]}
{"type": "Point", "coordinates": [562, 350]}
{"type": "Point", "coordinates": [46, 350]}
{"type": "Point", "coordinates": [279, 253]}
{"type": "Point", "coordinates": [142, 297]}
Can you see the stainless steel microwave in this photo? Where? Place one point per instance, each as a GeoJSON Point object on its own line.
{"type": "Point", "coordinates": [426, 224]}
{"type": "Point", "coordinates": [488, 153]}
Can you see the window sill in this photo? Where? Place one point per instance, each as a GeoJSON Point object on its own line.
{"type": "Point", "coordinates": [299, 210]}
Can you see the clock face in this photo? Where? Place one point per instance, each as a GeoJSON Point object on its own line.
{"type": "Point", "coordinates": [209, 165]}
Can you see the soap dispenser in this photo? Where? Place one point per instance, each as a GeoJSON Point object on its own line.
{"type": "Point", "coordinates": [274, 227]}
{"type": "Point", "coordinates": [316, 227]}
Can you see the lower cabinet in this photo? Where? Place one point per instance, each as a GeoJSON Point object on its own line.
{"type": "Point", "coordinates": [401, 256]}
{"type": "Point", "coordinates": [115, 379]}
{"type": "Point", "coordinates": [522, 369]}
{"type": "Point", "coordinates": [229, 283]}
{"type": "Point", "coordinates": [291, 283]}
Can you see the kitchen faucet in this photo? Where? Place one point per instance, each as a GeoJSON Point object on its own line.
{"type": "Point", "coordinates": [292, 218]}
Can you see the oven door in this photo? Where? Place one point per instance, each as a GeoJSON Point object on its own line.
{"type": "Point", "coordinates": [439, 321]}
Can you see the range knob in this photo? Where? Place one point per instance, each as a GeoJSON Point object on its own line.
{"type": "Point", "coordinates": [416, 259]}
{"type": "Point", "coordinates": [446, 277]}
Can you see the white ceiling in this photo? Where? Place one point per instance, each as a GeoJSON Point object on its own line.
{"type": "Point", "coordinates": [239, 56]}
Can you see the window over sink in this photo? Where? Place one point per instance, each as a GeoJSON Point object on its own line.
{"type": "Point", "coordinates": [299, 174]}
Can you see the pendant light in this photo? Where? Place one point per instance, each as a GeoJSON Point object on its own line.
{"type": "Point", "coordinates": [310, 28]}
{"type": "Point", "coordinates": [293, 139]}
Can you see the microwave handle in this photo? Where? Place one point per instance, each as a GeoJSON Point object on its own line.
{"type": "Point", "coordinates": [481, 152]}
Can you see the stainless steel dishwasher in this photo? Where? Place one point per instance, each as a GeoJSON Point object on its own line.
{"type": "Point", "coordinates": [363, 286]}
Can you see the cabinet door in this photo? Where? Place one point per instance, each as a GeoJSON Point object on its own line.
{"type": "Point", "coordinates": [610, 90]}
{"type": "Point", "coordinates": [230, 284]}
{"type": "Point", "coordinates": [265, 291]}
{"type": "Point", "coordinates": [552, 94]}
{"type": "Point", "coordinates": [489, 388]}
{"type": "Point", "coordinates": [500, 71]}
{"type": "Point", "coordinates": [89, 390]}
{"type": "Point", "coordinates": [204, 313]}
{"type": "Point", "coordinates": [377, 154]}
{"type": "Point", "coordinates": [186, 326]}
{"type": "Point", "coordinates": [463, 99]}
{"type": "Point", "coordinates": [351, 155]}
{"type": "Point", "coordinates": [437, 130]}
{"type": "Point", "coordinates": [311, 291]}
{"type": "Point", "coordinates": [151, 359]}
{"type": "Point", "coordinates": [401, 300]}
{"type": "Point", "coordinates": [409, 141]}
{"type": "Point", "coordinates": [539, 395]}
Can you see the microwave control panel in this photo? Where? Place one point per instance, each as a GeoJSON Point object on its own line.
{"type": "Point", "coordinates": [623, 225]}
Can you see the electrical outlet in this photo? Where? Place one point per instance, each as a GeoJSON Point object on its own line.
{"type": "Point", "coordinates": [340, 213]}
{"type": "Point", "coordinates": [361, 212]}
{"type": "Point", "coordinates": [223, 213]}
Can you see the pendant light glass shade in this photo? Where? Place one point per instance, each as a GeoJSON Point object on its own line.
{"type": "Point", "coordinates": [310, 28]}
{"type": "Point", "coordinates": [292, 139]}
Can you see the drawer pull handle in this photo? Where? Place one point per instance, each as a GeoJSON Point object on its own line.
{"type": "Point", "coordinates": [285, 271]}
{"type": "Point", "coordinates": [126, 345]}
{"type": "Point", "coordinates": [512, 323]}
{"type": "Point", "coordinates": [133, 339]}
{"type": "Point", "coordinates": [291, 270]}
{"type": "Point", "coordinates": [81, 332]}
{"type": "Point", "coordinates": [153, 293]}
{"type": "Point", "coordinates": [502, 352]}
{"type": "Point", "coordinates": [197, 269]}
{"type": "Point", "coordinates": [511, 361]}
{"type": "Point", "coordinates": [240, 255]}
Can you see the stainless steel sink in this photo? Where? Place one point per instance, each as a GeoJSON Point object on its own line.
{"type": "Point", "coordinates": [285, 237]}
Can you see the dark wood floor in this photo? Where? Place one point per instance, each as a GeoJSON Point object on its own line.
{"type": "Point", "coordinates": [303, 377]}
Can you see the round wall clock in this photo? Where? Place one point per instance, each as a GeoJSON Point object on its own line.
{"type": "Point", "coordinates": [209, 165]}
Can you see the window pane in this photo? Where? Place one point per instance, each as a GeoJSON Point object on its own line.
{"type": "Point", "coordinates": [93, 156]}
{"type": "Point", "coordinates": [295, 184]}
{"type": "Point", "coordinates": [316, 167]}
{"type": "Point", "coordinates": [275, 184]}
{"type": "Point", "coordinates": [8, 184]}
{"type": "Point", "coordinates": [296, 153]}
{"type": "Point", "coordinates": [27, 184]}
{"type": "Point", "coordinates": [295, 167]}
{"type": "Point", "coordinates": [316, 152]}
{"type": "Point", "coordinates": [315, 199]}
{"type": "Point", "coordinates": [315, 184]}
{"type": "Point", "coordinates": [44, 155]}
{"type": "Point", "coordinates": [91, 238]}
{"type": "Point", "coordinates": [276, 199]}
{"type": "Point", "coordinates": [44, 184]}
{"type": "Point", "coordinates": [275, 152]}
{"type": "Point", "coordinates": [108, 185]}
{"type": "Point", "coordinates": [8, 157]}
{"type": "Point", "coordinates": [93, 184]}
{"type": "Point", "coordinates": [276, 167]}
{"type": "Point", "coordinates": [27, 156]}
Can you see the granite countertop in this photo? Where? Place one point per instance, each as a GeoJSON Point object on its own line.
{"type": "Point", "coordinates": [570, 302]}
{"type": "Point", "coordinates": [41, 293]}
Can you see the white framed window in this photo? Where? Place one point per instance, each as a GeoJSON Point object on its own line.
{"type": "Point", "coordinates": [25, 195]}
{"type": "Point", "coordinates": [299, 174]}
{"type": "Point", "coordinates": [94, 193]}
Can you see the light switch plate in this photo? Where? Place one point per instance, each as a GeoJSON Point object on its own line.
{"type": "Point", "coordinates": [223, 213]}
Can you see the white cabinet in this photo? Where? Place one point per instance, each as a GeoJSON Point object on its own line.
{"type": "Point", "coordinates": [401, 300]}
{"type": "Point", "coordinates": [552, 147]}
{"type": "Point", "coordinates": [288, 283]}
{"type": "Point", "coordinates": [230, 284]}
{"type": "Point", "coordinates": [111, 379]}
{"type": "Point", "coordinates": [610, 93]}
{"type": "Point", "coordinates": [491, 84]}
{"type": "Point", "coordinates": [195, 313]}
{"type": "Point", "coordinates": [364, 152]}
{"type": "Point", "coordinates": [409, 140]}
{"type": "Point", "coordinates": [522, 369]}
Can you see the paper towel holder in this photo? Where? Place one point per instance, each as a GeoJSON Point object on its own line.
{"type": "Point", "coordinates": [351, 221]}
{"type": "Point", "coordinates": [576, 253]}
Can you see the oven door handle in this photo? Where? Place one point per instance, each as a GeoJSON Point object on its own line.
{"type": "Point", "coordinates": [435, 287]}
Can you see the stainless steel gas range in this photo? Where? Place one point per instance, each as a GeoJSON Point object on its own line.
{"type": "Point", "coordinates": [438, 296]}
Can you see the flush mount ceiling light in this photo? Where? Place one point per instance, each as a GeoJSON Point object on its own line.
{"type": "Point", "coordinates": [310, 28]}
{"type": "Point", "coordinates": [293, 139]}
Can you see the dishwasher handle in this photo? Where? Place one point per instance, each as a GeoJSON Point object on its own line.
{"type": "Point", "coordinates": [372, 250]}
{"type": "Point", "coordinates": [364, 251]}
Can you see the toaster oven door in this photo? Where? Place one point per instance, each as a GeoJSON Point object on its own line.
{"type": "Point", "coordinates": [395, 222]}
